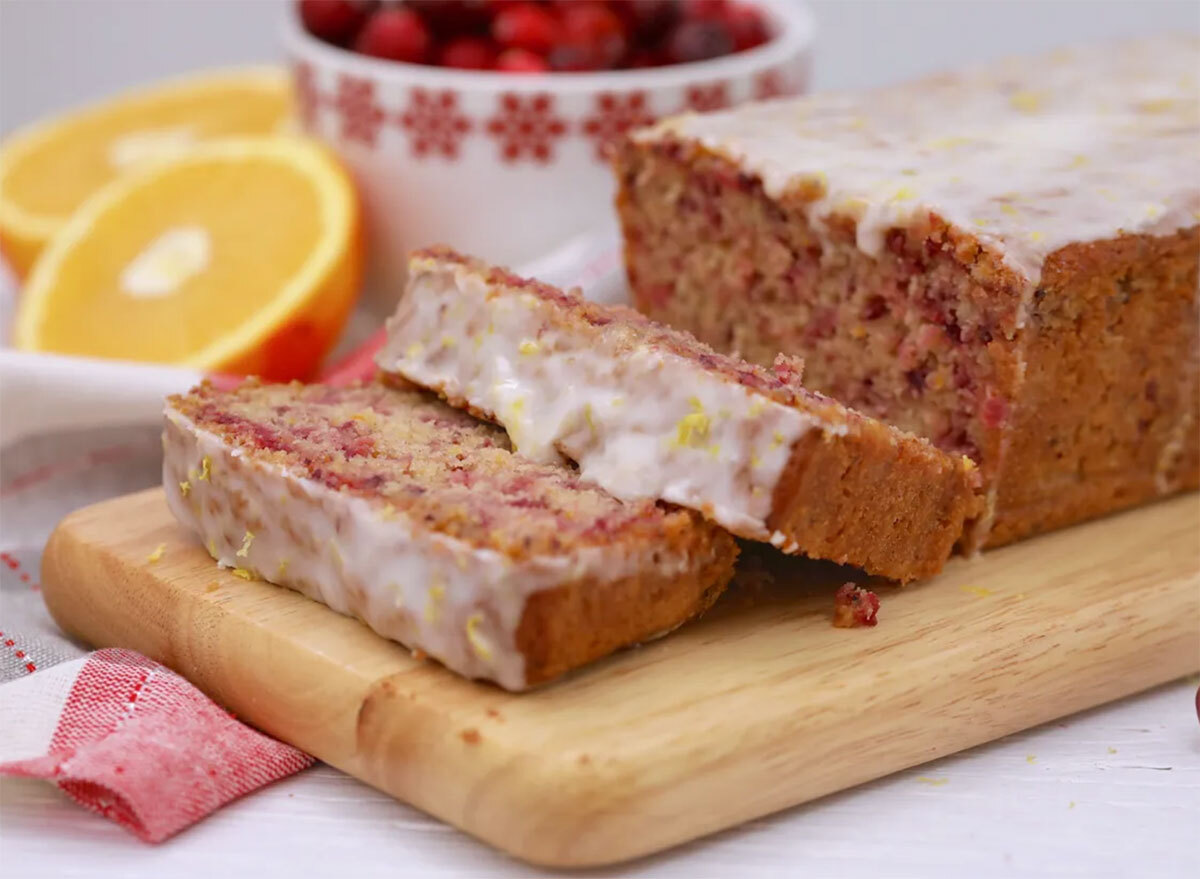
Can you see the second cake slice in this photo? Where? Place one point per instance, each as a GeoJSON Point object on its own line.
{"type": "Point", "coordinates": [649, 412]}
{"type": "Point", "coordinates": [386, 504]}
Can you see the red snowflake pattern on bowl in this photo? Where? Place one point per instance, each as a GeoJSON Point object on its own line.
{"type": "Point", "coordinates": [434, 123]}
{"type": "Point", "coordinates": [614, 114]}
{"type": "Point", "coordinates": [526, 126]}
{"type": "Point", "coordinates": [705, 97]}
{"type": "Point", "coordinates": [308, 98]}
{"type": "Point", "coordinates": [360, 114]}
{"type": "Point", "coordinates": [770, 84]}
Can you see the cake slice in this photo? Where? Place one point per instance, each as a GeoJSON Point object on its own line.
{"type": "Point", "coordinates": [388, 505]}
{"type": "Point", "coordinates": [649, 412]}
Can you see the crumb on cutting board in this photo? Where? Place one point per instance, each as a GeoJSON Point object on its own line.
{"type": "Point", "coordinates": [854, 606]}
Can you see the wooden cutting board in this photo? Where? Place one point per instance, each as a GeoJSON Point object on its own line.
{"type": "Point", "coordinates": [759, 706]}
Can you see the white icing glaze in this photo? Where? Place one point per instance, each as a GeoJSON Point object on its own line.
{"type": "Point", "coordinates": [640, 422]}
{"type": "Point", "coordinates": [1028, 154]}
{"type": "Point", "coordinates": [459, 603]}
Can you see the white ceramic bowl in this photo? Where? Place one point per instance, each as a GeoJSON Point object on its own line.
{"type": "Point", "coordinates": [505, 166]}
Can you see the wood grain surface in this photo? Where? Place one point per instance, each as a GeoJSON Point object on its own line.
{"type": "Point", "coordinates": [760, 705]}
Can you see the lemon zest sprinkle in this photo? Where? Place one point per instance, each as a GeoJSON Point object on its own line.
{"type": "Point", "coordinates": [185, 488]}
{"type": "Point", "coordinates": [244, 573]}
{"type": "Point", "coordinates": [977, 591]}
{"type": "Point", "coordinates": [157, 553]}
{"type": "Point", "coordinates": [1030, 759]}
{"type": "Point", "coordinates": [904, 193]}
{"type": "Point", "coordinates": [776, 440]}
{"type": "Point", "coordinates": [434, 603]}
{"type": "Point", "coordinates": [246, 541]}
{"type": "Point", "coordinates": [205, 468]}
{"type": "Point", "coordinates": [1026, 101]}
{"type": "Point", "coordinates": [528, 347]}
{"type": "Point", "coordinates": [929, 779]}
{"type": "Point", "coordinates": [692, 429]}
{"type": "Point", "coordinates": [282, 568]}
{"type": "Point", "coordinates": [388, 512]}
{"type": "Point", "coordinates": [212, 547]}
{"type": "Point", "coordinates": [477, 640]}
{"type": "Point", "coordinates": [1158, 105]}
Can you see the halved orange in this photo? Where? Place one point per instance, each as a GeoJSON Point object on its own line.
{"type": "Point", "coordinates": [49, 169]}
{"type": "Point", "coordinates": [242, 255]}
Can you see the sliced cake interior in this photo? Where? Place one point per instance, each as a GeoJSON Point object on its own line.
{"type": "Point", "coordinates": [650, 412]}
{"type": "Point", "coordinates": [386, 504]}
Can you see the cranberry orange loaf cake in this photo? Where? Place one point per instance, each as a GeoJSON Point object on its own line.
{"type": "Point", "coordinates": [649, 412]}
{"type": "Point", "coordinates": [388, 505]}
{"type": "Point", "coordinates": [1004, 261]}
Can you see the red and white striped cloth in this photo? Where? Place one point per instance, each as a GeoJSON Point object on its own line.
{"type": "Point", "coordinates": [120, 734]}
{"type": "Point", "coordinates": [133, 741]}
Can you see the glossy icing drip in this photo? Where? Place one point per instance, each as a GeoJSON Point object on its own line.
{"type": "Point", "coordinates": [1027, 155]}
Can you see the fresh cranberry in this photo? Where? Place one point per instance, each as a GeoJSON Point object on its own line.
{"type": "Point", "coordinates": [593, 38]}
{"type": "Point", "coordinates": [698, 40]}
{"type": "Point", "coordinates": [521, 61]}
{"type": "Point", "coordinates": [336, 21]}
{"type": "Point", "coordinates": [395, 34]}
{"type": "Point", "coordinates": [468, 53]}
{"type": "Point", "coordinates": [450, 18]}
{"type": "Point", "coordinates": [644, 58]}
{"type": "Point", "coordinates": [746, 25]}
{"type": "Point", "coordinates": [646, 21]}
{"type": "Point", "coordinates": [526, 26]}
{"type": "Point", "coordinates": [704, 8]}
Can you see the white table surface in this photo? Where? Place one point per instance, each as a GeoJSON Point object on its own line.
{"type": "Point", "coordinates": [1113, 792]}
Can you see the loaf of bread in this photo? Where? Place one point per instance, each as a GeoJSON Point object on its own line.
{"type": "Point", "coordinates": [388, 505]}
{"type": "Point", "coordinates": [1003, 261]}
{"type": "Point", "coordinates": [650, 413]}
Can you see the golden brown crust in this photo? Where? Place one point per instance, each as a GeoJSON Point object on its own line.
{"type": "Point", "coordinates": [894, 507]}
{"type": "Point", "coordinates": [1108, 414]}
{"type": "Point", "coordinates": [579, 622]}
